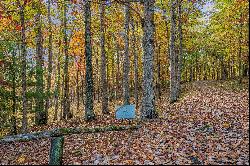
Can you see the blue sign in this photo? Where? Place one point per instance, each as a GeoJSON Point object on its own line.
{"type": "Point", "coordinates": [125, 112]}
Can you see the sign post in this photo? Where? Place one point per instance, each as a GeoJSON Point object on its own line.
{"type": "Point", "coordinates": [125, 112]}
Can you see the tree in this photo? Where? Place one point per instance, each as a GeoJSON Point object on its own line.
{"type": "Point", "coordinates": [24, 83]}
{"type": "Point", "coordinates": [148, 99]}
{"type": "Point", "coordinates": [172, 56]}
{"type": "Point", "coordinates": [126, 56]}
{"type": "Point", "coordinates": [66, 101]}
{"type": "Point", "coordinates": [179, 65]}
{"type": "Point", "coordinates": [89, 113]}
{"type": "Point", "coordinates": [104, 84]}
{"type": "Point", "coordinates": [136, 82]}
{"type": "Point", "coordinates": [47, 102]}
{"type": "Point", "coordinates": [39, 109]}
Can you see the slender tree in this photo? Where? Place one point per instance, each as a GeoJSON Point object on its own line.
{"type": "Point", "coordinates": [104, 84]}
{"type": "Point", "coordinates": [47, 102]}
{"type": "Point", "coordinates": [179, 65]}
{"type": "Point", "coordinates": [66, 101]}
{"type": "Point", "coordinates": [135, 52]}
{"type": "Point", "coordinates": [23, 55]}
{"type": "Point", "coordinates": [89, 113]}
{"type": "Point", "coordinates": [39, 109]}
{"type": "Point", "coordinates": [172, 56]}
{"type": "Point", "coordinates": [126, 56]}
{"type": "Point", "coordinates": [14, 97]}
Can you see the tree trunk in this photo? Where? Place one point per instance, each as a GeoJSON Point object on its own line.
{"type": "Point", "coordinates": [158, 82]}
{"type": "Point", "coordinates": [179, 65]}
{"type": "Point", "coordinates": [77, 89]}
{"type": "Point", "coordinates": [135, 63]}
{"type": "Point", "coordinates": [240, 50]}
{"type": "Point", "coordinates": [66, 102]}
{"type": "Point", "coordinates": [104, 86]}
{"type": "Point", "coordinates": [39, 109]}
{"type": "Point", "coordinates": [14, 102]}
{"type": "Point", "coordinates": [58, 132]}
{"type": "Point", "coordinates": [97, 80]}
{"type": "Point", "coordinates": [24, 84]}
{"type": "Point", "coordinates": [89, 113]}
{"type": "Point", "coordinates": [57, 90]}
{"type": "Point", "coordinates": [56, 151]}
{"type": "Point", "coordinates": [113, 77]}
{"type": "Point", "coordinates": [118, 68]}
{"type": "Point", "coordinates": [173, 76]}
{"type": "Point", "coordinates": [148, 100]}
{"type": "Point", "coordinates": [126, 66]}
{"type": "Point", "coordinates": [47, 102]}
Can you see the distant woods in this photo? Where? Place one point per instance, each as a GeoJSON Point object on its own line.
{"type": "Point", "coordinates": [61, 57]}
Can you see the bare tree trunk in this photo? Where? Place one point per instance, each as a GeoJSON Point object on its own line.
{"type": "Point", "coordinates": [148, 100]}
{"type": "Point", "coordinates": [113, 77]}
{"type": "Point", "coordinates": [77, 89]}
{"type": "Point", "coordinates": [179, 65]}
{"type": "Point", "coordinates": [126, 66]}
{"type": "Point", "coordinates": [173, 76]}
{"type": "Point", "coordinates": [158, 82]}
{"type": "Point", "coordinates": [14, 102]}
{"type": "Point", "coordinates": [57, 90]}
{"type": "Point", "coordinates": [89, 113]}
{"type": "Point", "coordinates": [97, 80]}
{"type": "Point", "coordinates": [240, 50]}
{"type": "Point", "coordinates": [47, 103]}
{"type": "Point", "coordinates": [24, 84]}
{"type": "Point", "coordinates": [118, 69]}
{"type": "Point", "coordinates": [66, 102]}
{"type": "Point", "coordinates": [40, 112]}
{"type": "Point", "coordinates": [104, 86]}
{"type": "Point", "coordinates": [135, 52]}
{"type": "Point", "coordinates": [82, 89]}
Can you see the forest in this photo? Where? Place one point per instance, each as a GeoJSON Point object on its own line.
{"type": "Point", "coordinates": [180, 67]}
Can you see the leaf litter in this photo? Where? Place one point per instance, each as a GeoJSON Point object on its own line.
{"type": "Point", "coordinates": [209, 125]}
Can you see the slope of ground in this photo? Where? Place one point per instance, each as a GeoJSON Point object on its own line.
{"type": "Point", "coordinates": [209, 125]}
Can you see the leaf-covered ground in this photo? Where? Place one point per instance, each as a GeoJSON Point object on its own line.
{"type": "Point", "coordinates": [209, 125]}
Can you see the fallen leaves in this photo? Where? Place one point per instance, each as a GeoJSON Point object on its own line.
{"type": "Point", "coordinates": [209, 125]}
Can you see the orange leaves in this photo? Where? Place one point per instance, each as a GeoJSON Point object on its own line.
{"type": "Point", "coordinates": [77, 44]}
{"type": "Point", "coordinates": [74, 1]}
{"type": "Point", "coordinates": [18, 27]}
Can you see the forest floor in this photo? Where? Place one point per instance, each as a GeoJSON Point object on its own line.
{"type": "Point", "coordinates": [208, 125]}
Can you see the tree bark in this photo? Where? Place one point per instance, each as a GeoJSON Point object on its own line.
{"type": "Point", "coordinates": [66, 102]}
{"type": "Point", "coordinates": [179, 65]}
{"type": "Point", "coordinates": [14, 102]}
{"type": "Point", "coordinates": [89, 112]}
{"type": "Point", "coordinates": [47, 102]}
{"type": "Point", "coordinates": [24, 82]}
{"type": "Point", "coordinates": [135, 63]}
{"type": "Point", "coordinates": [77, 89]}
{"type": "Point", "coordinates": [104, 86]}
{"type": "Point", "coordinates": [240, 50]}
{"type": "Point", "coordinates": [118, 68]}
{"type": "Point", "coordinates": [56, 151]}
{"type": "Point", "coordinates": [57, 90]}
{"type": "Point", "coordinates": [126, 66]}
{"type": "Point", "coordinates": [148, 100]}
{"type": "Point", "coordinates": [158, 82]}
{"type": "Point", "coordinates": [58, 132]}
{"type": "Point", "coordinates": [40, 117]}
{"type": "Point", "coordinates": [172, 56]}
{"type": "Point", "coordinates": [97, 80]}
